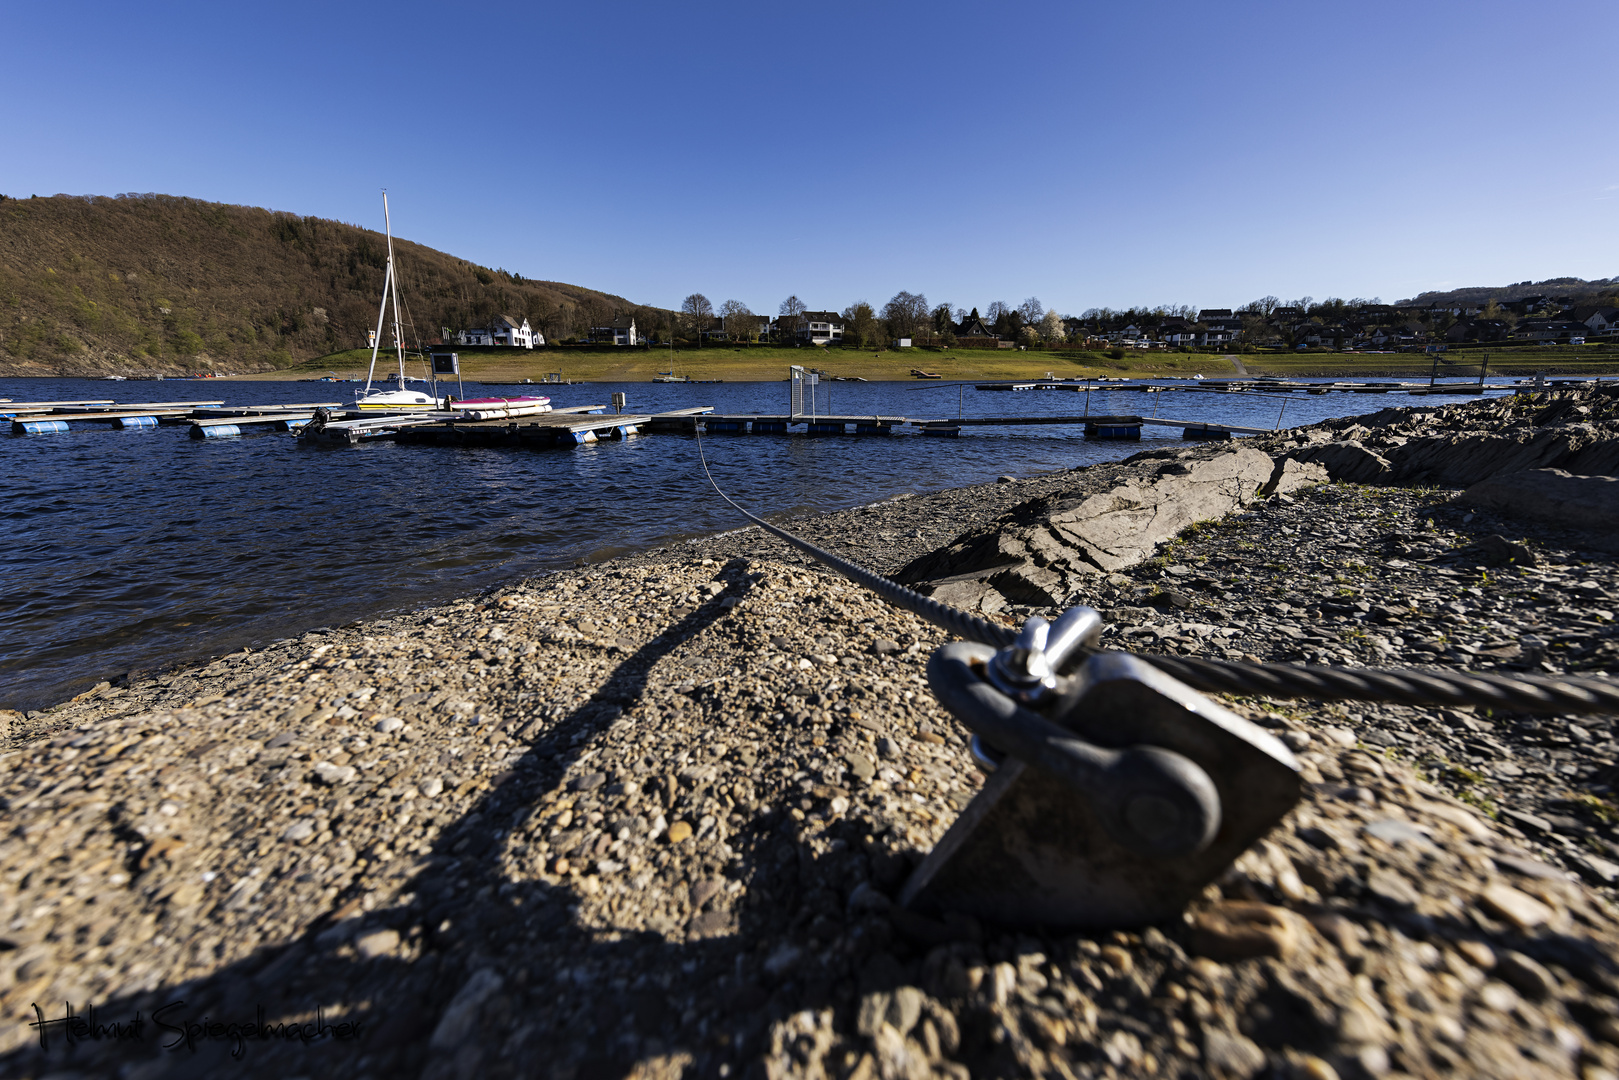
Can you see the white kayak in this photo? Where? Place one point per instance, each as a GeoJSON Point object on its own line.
{"type": "Point", "coordinates": [501, 408]}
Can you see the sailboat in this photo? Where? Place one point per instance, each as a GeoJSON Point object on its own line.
{"type": "Point", "coordinates": [376, 397]}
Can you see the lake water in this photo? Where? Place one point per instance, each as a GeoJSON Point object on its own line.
{"type": "Point", "coordinates": [142, 548]}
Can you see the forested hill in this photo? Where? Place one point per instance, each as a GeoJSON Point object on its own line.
{"type": "Point", "coordinates": [1572, 287]}
{"type": "Point", "coordinates": [93, 284]}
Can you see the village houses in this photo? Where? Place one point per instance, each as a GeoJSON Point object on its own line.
{"type": "Point", "coordinates": [502, 330]}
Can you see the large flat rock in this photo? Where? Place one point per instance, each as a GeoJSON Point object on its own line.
{"type": "Point", "coordinates": [1044, 551]}
{"type": "Point", "coordinates": [1589, 503]}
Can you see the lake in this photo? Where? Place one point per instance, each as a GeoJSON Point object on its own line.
{"type": "Point", "coordinates": [143, 548]}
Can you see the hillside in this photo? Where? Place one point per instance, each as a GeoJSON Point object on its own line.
{"type": "Point", "coordinates": [161, 283]}
{"type": "Point", "coordinates": [1575, 288]}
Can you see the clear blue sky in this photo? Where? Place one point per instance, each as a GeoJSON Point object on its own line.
{"type": "Point", "coordinates": [1088, 154]}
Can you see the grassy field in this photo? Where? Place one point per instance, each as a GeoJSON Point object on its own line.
{"type": "Point", "coordinates": [761, 363]}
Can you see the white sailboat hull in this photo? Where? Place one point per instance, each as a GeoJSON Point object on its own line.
{"type": "Point", "coordinates": [396, 399]}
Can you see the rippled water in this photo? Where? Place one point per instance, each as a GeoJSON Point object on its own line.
{"type": "Point", "coordinates": [135, 549]}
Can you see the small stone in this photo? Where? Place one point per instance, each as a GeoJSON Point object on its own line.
{"type": "Point", "coordinates": [376, 943]}
{"type": "Point", "coordinates": [460, 1019]}
{"type": "Point", "coordinates": [1533, 824]}
{"type": "Point", "coordinates": [1008, 479]}
{"type": "Point", "coordinates": [906, 1008]}
{"type": "Point", "coordinates": [1525, 976]}
{"type": "Point", "coordinates": [1597, 871]}
{"type": "Point", "coordinates": [1118, 958]}
{"type": "Point", "coordinates": [1477, 953]}
{"type": "Point", "coordinates": [1003, 981]}
{"type": "Point", "coordinates": [1391, 889]}
{"type": "Point", "coordinates": [1311, 1067]}
{"type": "Point", "coordinates": [1498, 996]}
{"type": "Point", "coordinates": [783, 960]}
{"type": "Point", "coordinates": [873, 1013]}
{"type": "Point", "coordinates": [1339, 930]}
{"type": "Point", "coordinates": [301, 829]}
{"type": "Point", "coordinates": [1530, 868]}
{"type": "Point", "coordinates": [30, 962]}
{"type": "Point", "coordinates": [334, 775]}
{"type": "Point", "coordinates": [862, 766]}
{"type": "Point", "coordinates": [1340, 736]}
{"type": "Point", "coordinates": [389, 724]}
{"type": "Point", "coordinates": [430, 787]}
{"type": "Point", "coordinates": [703, 890]}
{"type": "Point", "coordinates": [1519, 909]}
{"type": "Point", "coordinates": [1395, 831]}
{"type": "Point", "coordinates": [1241, 931]}
{"type": "Point", "coordinates": [709, 924]}
{"type": "Point", "coordinates": [866, 897]}
{"type": "Point", "coordinates": [1230, 1054]}
{"type": "Point", "coordinates": [1295, 740]}
{"type": "Point", "coordinates": [678, 831]}
{"type": "Point", "coordinates": [885, 646]}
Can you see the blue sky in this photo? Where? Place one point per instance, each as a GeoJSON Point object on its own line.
{"type": "Point", "coordinates": [1088, 154]}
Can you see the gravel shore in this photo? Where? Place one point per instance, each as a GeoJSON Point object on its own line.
{"type": "Point", "coordinates": [647, 818]}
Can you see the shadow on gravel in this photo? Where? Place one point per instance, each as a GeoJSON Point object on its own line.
{"type": "Point", "coordinates": [507, 983]}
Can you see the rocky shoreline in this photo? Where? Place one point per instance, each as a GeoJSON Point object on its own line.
{"type": "Point", "coordinates": [648, 818]}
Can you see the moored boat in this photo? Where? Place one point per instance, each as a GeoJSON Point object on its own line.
{"type": "Point", "coordinates": [499, 408]}
{"type": "Point", "coordinates": [402, 398]}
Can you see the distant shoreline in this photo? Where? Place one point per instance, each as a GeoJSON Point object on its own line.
{"type": "Point", "coordinates": [771, 364]}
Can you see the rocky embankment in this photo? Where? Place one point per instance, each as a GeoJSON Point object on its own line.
{"type": "Point", "coordinates": [648, 818]}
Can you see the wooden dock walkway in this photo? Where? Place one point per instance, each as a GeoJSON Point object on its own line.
{"type": "Point", "coordinates": [1230, 386]}
{"type": "Point", "coordinates": [556, 428]}
{"type": "Point", "coordinates": [1096, 425]}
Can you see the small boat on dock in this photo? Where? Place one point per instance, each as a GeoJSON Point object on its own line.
{"type": "Point", "coordinates": [500, 408]}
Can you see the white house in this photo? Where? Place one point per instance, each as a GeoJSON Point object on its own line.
{"type": "Point", "coordinates": [502, 330]}
{"type": "Point", "coordinates": [1604, 323]}
{"type": "Point", "coordinates": [620, 331]}
{"type": "Point", "coordinates": [820, 327]}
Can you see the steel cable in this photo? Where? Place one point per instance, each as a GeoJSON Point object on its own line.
{"type": "Point", "coordinates": [1408, 686]}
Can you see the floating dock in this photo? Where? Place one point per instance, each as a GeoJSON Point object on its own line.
{"type": "Point", "coordinates": [1231, 386]}
{"type": "Point", "coordinates": [40, 417]}
{"type": "Point", "coordinates": [339, 424]}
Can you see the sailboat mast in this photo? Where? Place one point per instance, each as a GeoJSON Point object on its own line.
{"type": "Point", "coordinates": [399, 334]}
{"type": "Point", "coordinates": [382, 314]}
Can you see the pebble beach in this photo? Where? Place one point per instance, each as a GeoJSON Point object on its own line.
{"type": "Point", "coordinates": [650, 817]}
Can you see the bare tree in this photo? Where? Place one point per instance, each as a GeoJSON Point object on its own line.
{"type": "Point", "coordinates": [1032, 311]}
{"type": "Point", "coordinates": [738, 320]}
{"type": "Point", "coordinates": [906, 314]}
{"type": "Point", "coordinates": [696, 313]}
{"type": "Point", "coordinates": [860, 323]}
{"type": "Point", "coordinates": [792, 307]}
{"type": "Point", "coordinates": [996, 310]}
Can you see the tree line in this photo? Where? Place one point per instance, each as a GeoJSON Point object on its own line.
{"type": "Point", "coordinates": [905, 315]}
